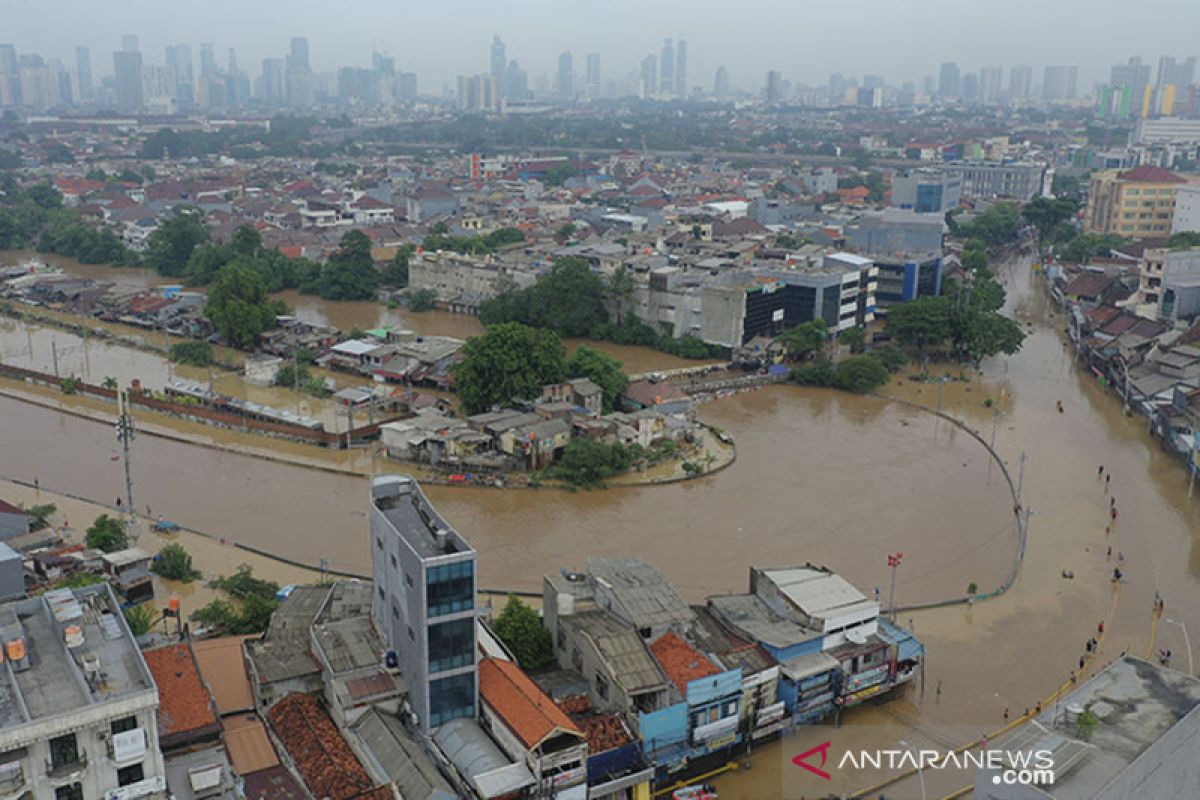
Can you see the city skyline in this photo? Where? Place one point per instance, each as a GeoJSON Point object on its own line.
{"type": "Point", "coordinates": [718, 38]}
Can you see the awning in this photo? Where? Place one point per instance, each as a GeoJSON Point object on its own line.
{"type": "Point", "coordinates": [908, 647]}
{"type": "Point", "coordinates": [807, 666]}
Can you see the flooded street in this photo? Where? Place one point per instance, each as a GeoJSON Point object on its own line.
{"type": "Point", "coordinates": [821, 476]}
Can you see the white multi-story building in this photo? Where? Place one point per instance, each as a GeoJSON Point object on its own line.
{"type": "Point", "coordinates": [1186, 216]}
{"type": "Point", "coordinates": [77, 703]}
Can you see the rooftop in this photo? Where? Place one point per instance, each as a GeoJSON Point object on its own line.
{"type": "Point", "coordinates": [248, 744]}
{"type": "Point", "coordinates": [820, 594]}
{"type": "Point", "coordinates": [517, 700]}
{"type": "Point", "coordinates": [478, 758]}
{"type": "Point", "coordinates": [751, 617]}
{"type": "Point", "coordinates": [403, 505]}
{"type": "Point", "coordinates": [223, 668]}
{"type": "Point", "coordinates": [1135, 704]}
{"type": "Point", "coordinates": [621, 648]}
{"type": "Point", "coordinates": [681, 662]}
{"type": "Point", "coordinates": [322, 756]}
{"type": "Point", "coordinates": [284, 652]}
{"type": "Point", "coordinates": [68, 649]}
{"type": "Point", "coordinates": [185, 706]}
{"type": "Point", "coordinates": [401, 757]}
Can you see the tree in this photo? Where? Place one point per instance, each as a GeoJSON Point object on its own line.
{"type": "Point", "coordinates": [999, 225]}
{"type": "Point", "coordinates": [510, 361]}
{"type": "Point", "coordinates": [989, 334]}
{"type": "Point", "coordinates": [141, 618]}
{"type": "Point", "coordinates": [619, 290]}
{"type": "Point", "coordinates": [522, 632]}
{"type": "Point", "coordinates": [253, 603]}
{"type": "Point", "coordinates": [197, 353]}
{"type": "Point", "coordinates": [106, 534]}
{"type": "Point", "coordinates": [860, 374]}
{"type": "Point", "coordinates": [59, 153]}
{"type": "Point", "coordinates": [922, 322]}
{"type": "Point", "coordinates": [350, 273]}
{"type": "Point", "coordinates": [566, 230]}
{"type": "Point", "coordinates": [174, 563]}
{"type": "Point", "coordinates": [41, 514]}
{"type": "Point", "coordinates": [559, 174]}
{"type": "Point", "coordinates": [588, 462]}
{"type": "Point", "coordinates": [569, 300]}
{"type": "Point", "coordinates": [602, 369]}
{"type": "Point", "coordinates": [246, 241]}
{"type": "Point", "coordinates": [239, 307]}
{"type": "Point", "coordinates": [171, 244]}
{"type": "Point", "coordinates": [395, 274]}
{"type": "Point", "coordinates": [1046, 213]}
{"type": "Point", "coordinates": [1184, 240]}
{"type": "Point", "coordinates": [421, 299]}
{"type": "Point", "coordinates": [1087, 246]}
{"type": "Point", "coordinates": [804, 339]}
{"type": "Point", "coordinates": [854, 338]}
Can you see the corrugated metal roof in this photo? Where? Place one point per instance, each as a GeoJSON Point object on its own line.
{"type": "Point", "coordinates": [400, 757]}
{"type": "Point", "coordinates": [753, 618]}
{"type": "Point", "coordinates": [645, 596]}
{"type": "Point", "coordinates": [621, 648]}
{"type": "Point", "coordinates": [819, 594]}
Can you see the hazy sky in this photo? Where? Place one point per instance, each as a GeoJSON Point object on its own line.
{"type": "Point", "coordinates": [899, 39]}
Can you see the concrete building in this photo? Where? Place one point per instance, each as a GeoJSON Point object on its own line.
{"type": "Point", "coordinates": [1186, 217]}
{"type": "Point", "coordinates": [927, 190]}
{"type": "Point", "coordinates": [464, 281]}
{"type": "Point", "coordinates": [424, 600]}
{"type": "Point", "coordinates": [1129, 731]}
{"type": "Point", "coordinates": [906, 248]}
{"type": "Point", "coordinates": [78, 710]}
{"type": "Point", "coordinates": [990, 179]}
{"type": "Point", "coordinates": [1137, 203]}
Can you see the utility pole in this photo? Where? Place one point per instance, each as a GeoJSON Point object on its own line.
{"type": "Point", "coordinates": [125, 435]}
{"type": "Point", "coordinates": [893, 561]}
{"type": "Point", "coordinates": [54, 354]}
{"type": "Point", "coordinates": [1021, 479]}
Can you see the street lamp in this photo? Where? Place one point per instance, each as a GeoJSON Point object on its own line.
{"type": "Point", "coordinates": [893, 561]}
{"type": "Point", "coordinates": [920, 770]}
{"type": "Point", "coordinates": [1186, 643]}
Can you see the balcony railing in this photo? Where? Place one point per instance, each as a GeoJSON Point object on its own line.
{"type": "Point", "coordinates": [63, 768]}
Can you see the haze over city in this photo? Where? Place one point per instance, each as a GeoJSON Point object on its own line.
{"type": "Point", "coordinates": [805, 41]}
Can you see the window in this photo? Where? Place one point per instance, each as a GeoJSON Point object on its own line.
{"type": "Point", "coordinates": [395, 564]}
{"type": "Point", "coordinates": [72, 792]}
{"type": "Point", "coordinates": [130, 774]}
{"type": "Point", "coordinates": [409, 580]}
{"type": "Point", "coordinates": [601, 686]}
{"type": "Point", "coordinates": [124, 724]}
{"type": "Point", "coordinates": [576, 659]}
{"type": "Point", "coordinates": [451, 698]}
{"type": "Point", "coordinates": [450, 588]}
{"type": "Point", "coordinates": [451, 645]}
{"type": "Point", "coordinates": [64, 751]}
{"type": "Point", "coordinates": [378, 543]}
{"type": "Point", "coordinates": [379, 589]}
{"type": "Point", "coordinates": [395, 612]}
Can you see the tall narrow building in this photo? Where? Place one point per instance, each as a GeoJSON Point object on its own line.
{"type": "Point", "coordinates": [499, 65]}
{"type": "Point", "coordinates": [83, 70]}
{"type": "Point", "coordinates": [127, 76]}
{"type": "Point", "coordinates": [666, 68]}
{"type": "Point", "coordinates": [424, 600]}
{"type": "Point", "coordinates": [649, 76]}
{"type": "Point", "coordinates": [564, 82]}
{"type": "Point", "coordinates": [721, 83]}
{"type": "Point", "coordinates": [681, 76]}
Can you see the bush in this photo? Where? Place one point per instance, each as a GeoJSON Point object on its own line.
{"type": "Point", "coordinates": [860, 374]}
{"type": "Point", "coordinates": [106, 534]}
{"type": "Point", "coordinates": [141, 618]}
{"type": "Point", "coordinates": [174, 563]}
{"type": "Point", "coordinates": [819, 373]}
{"type": "Point", "coordinates": [421, 300]}
{"type": "Point", "coordinates": [198, 354]}
{"type": "Point", "coordinates": [522, 632]}
{"type": "Point", "coordinates": [892, 357]}
{"type": "Point", "coordinates": [587, 463]}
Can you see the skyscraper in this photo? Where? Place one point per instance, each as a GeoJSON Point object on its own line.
{"type": "Point", "coordinates": [649, 75]}
{"type": "Point", "coordinates": [10, 77]}
{"type": "Point", "coordinates": [774, 90]}
{"type": "Point", "coordinates": [1058, 83]}
{"type": "Point", "coordinates": [299, 75]}
{"type": "Point", "coordinates": [516, 82]}
{"type": "Point", "coordinates": [990, 81]}
{"type": "Point", "coordinates": [499, 65]}
{"type": "Point", "coordinates": [681, 68]}
{"type": "Point", "coordinates": [593, 75]}
{"type": "Point", "coordinates": [1020, 82]}
{"type": "Point", "coordinates": [948, 81]}
{"type": "Point", "coordinates": [423, 603]}
{"type": "Point", "coordinates": [299, 53]}
{"type": "Point", "coordinates": [179, 58]}
{"type": "Point", "coordinates": [83, 69]}
{"type": "Point", "coordinates": [273, 85]}
{"type": "Point", "coordinates": [129, 43]}
{"type": "Point", "coordinates": [721, 83]}
{"type": "Point", "coordinates": [127, 76]}
{"type": "Point", "coordinates": [1176, 73]}
{"type": "Point", "coordinates": [666, 68]}
{"type": "Point", "coordinates": [564, 82]}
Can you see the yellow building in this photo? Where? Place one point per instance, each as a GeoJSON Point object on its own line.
{"type": "Point", "coordinates": [1137, 203]}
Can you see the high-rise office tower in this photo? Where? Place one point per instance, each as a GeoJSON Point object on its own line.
{"type": "Point", "coordinates": [649, 75]}
{"type": "Point", "coordinates": [127, 77]}
{"type": "Point", "coordinates": [681, 68]}
{"type": "Point", "coordinates": [516, 82]}
{"type": "Point", "coordinates": [299, 53]}
{"type": "Point", "coordinates": [666, 68]}
{"type": "Point", "coordinates": [949, 84]}
{"type": "Point", "coordinates": [721, 83]}
{"type": "Point", "coordinates": [1058, 83]}
{"type": "Point", "coordinates": [499, 65]}
{"type": "Point", "coordinates": [273, 84]}
{"type": "Point", "coordinates": [83, 69]}
{"type": "Point", "coordinates": [129, 43]}
{"type": "Point", "coordinates": [774, 89]}
{"type": "Point", "coordinates": [593, 75]}
{"type": "Point", "coordinates": [1020, 82]}
{"type": "Point", "coordinates": [1176, 73]}
{"type": "Point", "coordinates": [990, 81]}
{"type": "Point", "coordinates": [10, 77]}
{"type": "Point", "coordinates": [564, 82]}
{"type": "Point", "coordinates": [208, 62]}
{"type": "Point", "coordinates": [423, 603]}
{"type": "Point", "coordinates": [179, 58]}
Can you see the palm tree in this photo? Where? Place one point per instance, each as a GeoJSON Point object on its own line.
{"type": "Point", "coordinates": [620, 290]}
{"type": "Point", "coordinates": [110, 383]}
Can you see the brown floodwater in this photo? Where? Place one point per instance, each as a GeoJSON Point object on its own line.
{"type": "Point", "coordinates": [820, 476]}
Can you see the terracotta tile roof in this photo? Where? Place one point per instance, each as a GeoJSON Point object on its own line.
{"type": "Point", "coordinates": [223, 668]}
{"type": "Point", "coordinates": [184, 705]}
{"type": "Point", "coordinates": [604, 732]}
{"type": "Point", "coordinates": [1151, 175]}
{"type": "Point", "coordinates": [9, 508]}
{"type": "Point", "coordinates": [371, 685]}
{"type": "Point", "coordinates": [248, 744]}
{"type": "Point", "coordinates": [517, 700]}
{"type": "Point", "coordinates": [681, 662]}
{"type": "Point", "coordinates": [321, 755]}
{"type": "Point", "coordinates": [645, 393]}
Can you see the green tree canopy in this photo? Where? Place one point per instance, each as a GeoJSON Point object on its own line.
{"type": "Point", "coordinates": [510, 361]}
{"type": "Point", "coordinates": [604, 370]}
{"type": "Point", "coordinates": [172, 242]}
{"type": "Point", "coordinates": [175, 563]}
{"type": "Point", "coordinates": [350, 273]}
{"type": "Point", "coordinates": [588, 462]}
{"type": "Point", "coordinates": [395, 274]}
{"type": "Point", "coordinates": [804, 339]}
{"type": "Point", "coordinates": [522, 632]}
{"type": "Point", "coordinates": [569, 300]}
{"type": "Point", "coordinates": [239, 306]}
{"type": "Point", "coordinates": [1047, 213]}
{"type": "Point", "coordinates": [106, 534]}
